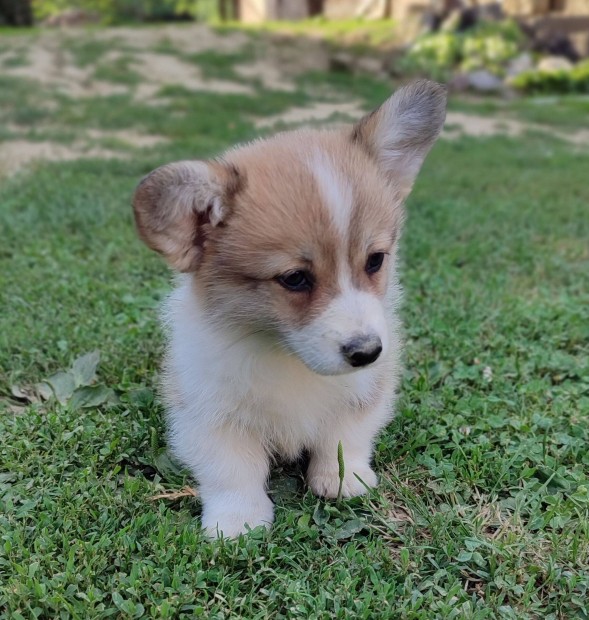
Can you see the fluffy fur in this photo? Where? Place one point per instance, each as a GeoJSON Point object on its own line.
{"type": "Point", "coordinates": [256, 367]}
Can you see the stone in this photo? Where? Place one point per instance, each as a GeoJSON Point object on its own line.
{"type": "Point", "coordinates": [555, 63]}
{"type": "Point", "coordinates": [484, 81]}
{"type": "Point", "coordinates": [520, 64]}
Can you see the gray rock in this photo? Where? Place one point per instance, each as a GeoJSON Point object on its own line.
{"type": "Point", "coordinates": [484, 81]}
{"type": "Point", "coordinates": [555, 63]}
{"type": "Point", "coordinates": [520, 64]}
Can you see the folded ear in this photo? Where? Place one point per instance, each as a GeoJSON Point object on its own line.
{"type": "Point", "coordinates": [176, 207]}
{"type": "Point", "coordinates": [400, 133]}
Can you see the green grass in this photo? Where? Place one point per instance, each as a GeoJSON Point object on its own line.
{"type": "Point", "coordinates": [219, 66]}
{"type": "Point", "coordinates": [118, 71]}
{"type": "Point", "coordinates": [88, 50]}
{"type": "Point", "coordinates": [483, 507]}
{"type": "Point", "coordinates": [22, 102]}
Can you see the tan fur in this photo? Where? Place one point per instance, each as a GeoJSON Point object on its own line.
{"type": "Point", "coordinates": [271, 231]}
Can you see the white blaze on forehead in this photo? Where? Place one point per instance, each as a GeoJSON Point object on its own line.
{"type": "Point", "coordinates": [336, 191]}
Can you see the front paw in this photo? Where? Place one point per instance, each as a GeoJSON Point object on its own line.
{"type": "Point", "coordinates": [229, 516]}
{"type": "Point", "coordinates": [324, 480]}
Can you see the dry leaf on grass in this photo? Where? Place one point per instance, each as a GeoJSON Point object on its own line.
{"type": "Point", "coordinates": [24, 394]}
{"type": "Point", "coordinates": [174, 495]}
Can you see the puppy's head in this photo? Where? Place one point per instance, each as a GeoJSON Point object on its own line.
{"type": "Point", "coordinates": [296, 236]}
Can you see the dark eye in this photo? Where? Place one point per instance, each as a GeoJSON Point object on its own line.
{"type": "Point", "coordinates": [299, 281]}
{"type": "Point", "coordinates": [374, 262]}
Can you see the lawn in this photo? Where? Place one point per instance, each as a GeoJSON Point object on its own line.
{"type": "Point", "coordinates": [483, 506]}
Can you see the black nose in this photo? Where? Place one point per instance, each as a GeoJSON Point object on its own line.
{"type": "Point", "coordinates": [362, 351]}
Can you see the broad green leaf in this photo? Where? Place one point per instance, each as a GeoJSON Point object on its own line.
{"type": "Point", "coordinates": [169, 469]}
{"type": "Point", "coordinates": [61, 385]}
{"type": "Point", "coordinates": [92, 396]}
{"type": "Point", "coordinates": [348, 529]}
{"type": "Point", "coordinates": [320, 515]}
{"type": "Point", "coordinates": [84, 368]}
{"type": "Point", "coordinates": [464, 556]}
{"type": "Point", "coordinates": [303, 522]}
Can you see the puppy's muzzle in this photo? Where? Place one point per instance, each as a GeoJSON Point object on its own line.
{"type": "Point", "coordinates": [362, 350]}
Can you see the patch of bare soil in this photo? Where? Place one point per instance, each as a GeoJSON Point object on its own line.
{"type": "Point", "coordinates": [267, 73]}
{"type": "Point", "coordinates": [159, 70]}
{"type": "Point", "coordinates": [191, 39]}
{"type": "Point", "coordinates": [127, 136]}
{"type": "Point", "coordinates": [49, 65]}
{"type": "Point", "coordinates": [18, 154]}
{"type": "Point", "coordinates": [309, 114]}
{"type": "Point", "coordinates": [460, 124]}
{"type": "Point", "coordinates": [281, 59]}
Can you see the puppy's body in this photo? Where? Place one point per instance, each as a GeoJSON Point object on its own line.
{"type": "Point", "coordinates": [246, 399]}
{"type": "Point", "coordinates": [283, 334]}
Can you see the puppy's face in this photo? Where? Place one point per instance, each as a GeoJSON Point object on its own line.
{"type": "Point", "coordinates": [296, 236]}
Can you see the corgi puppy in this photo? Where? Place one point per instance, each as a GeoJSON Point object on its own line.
{"type": "Point", "coordinates": [283, 332]}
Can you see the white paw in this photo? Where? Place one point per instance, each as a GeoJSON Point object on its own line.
{"type": "Point", "coordinates": [324, 481]}
{"type": "Point", "coordinates": [230, 518]}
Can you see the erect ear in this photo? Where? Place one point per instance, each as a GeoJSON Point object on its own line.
{"type": "Point", "coordinates": [400, 133]}
{"type": "Point", "coordinates": [177, 206]}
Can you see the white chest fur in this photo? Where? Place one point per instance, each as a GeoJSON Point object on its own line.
{"type": "Point", "coordinates": [216, 377]}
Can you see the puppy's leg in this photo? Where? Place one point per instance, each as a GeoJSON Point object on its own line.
{"type": "Point", "coordinates": [231, 467]}
{"type": "Point", "coordinates": [357, 436]}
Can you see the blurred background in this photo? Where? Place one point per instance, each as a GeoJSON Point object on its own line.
{"type": "Point", "coordinates": [443, 38]}
{"type": "Point", "coordinates": [489, 52]}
